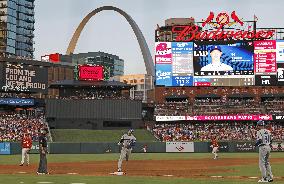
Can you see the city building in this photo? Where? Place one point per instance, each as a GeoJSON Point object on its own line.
{"type": "Point", "coordinates": [164, 33]}
{"type": "Point", "coordinates": [142, 83]}
{"type": "Point", "coordinates": [17, 28]}
{"type": "Point", "coordinates": [112, 62]}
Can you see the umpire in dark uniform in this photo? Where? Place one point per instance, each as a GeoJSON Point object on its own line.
{"type": "Point", "coordinates": [42, 168]}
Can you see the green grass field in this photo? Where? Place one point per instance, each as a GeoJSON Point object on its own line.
{"type": "Point", "coordinates": [251, 170]}
{"type": "Point", "coordinates": [77, 136]}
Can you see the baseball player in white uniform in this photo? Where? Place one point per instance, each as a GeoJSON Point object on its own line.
{"type": "Point", "coordinates": [263, 142]}
{"type": "Point", "coordinates": [127, 142]}
{"type": "Point", "coordinates": [216, 65]}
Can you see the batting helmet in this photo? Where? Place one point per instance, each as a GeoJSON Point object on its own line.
{"type": "Point", "coordinates": [130, 131]}
{"type": "Point", "coordinates": [260, 123]}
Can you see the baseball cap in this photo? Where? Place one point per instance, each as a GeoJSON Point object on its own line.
{"type": "Point", "coordinates": [215, 47]}
{"type": "Point", "coordinates": [260, 123]}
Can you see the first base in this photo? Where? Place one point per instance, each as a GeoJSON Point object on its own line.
{"type": "Point", "coordinates": [117, 173]}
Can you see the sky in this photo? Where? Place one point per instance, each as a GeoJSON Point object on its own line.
{"type": "Point", "coordinates": [56, 21]}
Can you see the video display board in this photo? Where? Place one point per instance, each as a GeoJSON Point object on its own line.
{"type": "Point", "coordinates": [21, 78]}
{"type": "Point", "coordinates": [87, 72]}
{"type": "Point", "coordinates": [238, 63]}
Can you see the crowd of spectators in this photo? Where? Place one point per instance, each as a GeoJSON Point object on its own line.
{"type": "Point", "coordinates": [95, 94]}
{"type": "Point", "coordinates": [203, 131]}
{"type": "Point", "coordinates": [12, 126]}
{"type": "Point", "coordinates": [218, 106]}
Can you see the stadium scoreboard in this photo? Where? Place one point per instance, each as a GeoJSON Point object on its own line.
{"type": "Point", "coordinates": [220, 63]}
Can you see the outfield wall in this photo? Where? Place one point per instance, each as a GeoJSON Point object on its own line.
{"type": "Point", "coordinates": [152, 147]}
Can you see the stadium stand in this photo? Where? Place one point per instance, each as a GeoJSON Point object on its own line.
{"type": "Point", "coordinates": [203, 131]}
{"type": "Point", "coordinates": [13, 125]}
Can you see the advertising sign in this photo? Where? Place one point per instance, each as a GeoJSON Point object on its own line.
{"type": "Point", "coordinates": [164, 74]}
{"type": "Point", "coordinates": [245, 147]}
{"type": "Point", "coordinates": [215, 118]}
{"type": "Point", "coordinates": [163, 53]}
{"type": "Point", "coordinates": [277, 146]}
{"type": "Point", "coordinates": [35, 147]}
{"type": "Point", "coordinates": [5, 148]}
{"type": "Point", "coordinates": [87, 72]}
{"type": "Point", "coordinates": [18, 77]}
{"type": "Point", "coordinates": [223, 147]}
{"type": "Point", "coordinates": [179, 147]}
{"type": "Point", "coordinates": [16, 101]}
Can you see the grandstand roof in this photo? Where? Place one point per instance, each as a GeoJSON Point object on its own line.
{"type": "Point", "coordinates": [89, 84]}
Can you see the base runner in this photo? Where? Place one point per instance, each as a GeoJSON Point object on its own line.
{"type": "Point", "coordinates": [264, 143]}
{"type": "Point", "coordinates": [127, 142]}
{"type": "Point", "coordinates": [215, 147]}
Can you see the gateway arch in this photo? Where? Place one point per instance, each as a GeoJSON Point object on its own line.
{"type": "Point", "coordinates": [141, 40]}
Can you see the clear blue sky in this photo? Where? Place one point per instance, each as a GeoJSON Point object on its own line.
{"type": "Point", "coordinates": [56, 20]}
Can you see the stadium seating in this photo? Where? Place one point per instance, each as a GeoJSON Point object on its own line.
{"type": "Point", "coordinates": [203, 131]}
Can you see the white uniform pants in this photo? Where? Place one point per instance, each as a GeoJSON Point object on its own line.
{"type": "Point", "coordinates": [25, 156]}
{"type": "Point", "coordinates": [214, 151]}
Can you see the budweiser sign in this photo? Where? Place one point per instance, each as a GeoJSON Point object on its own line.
{"type": "Point", "coordinates": [193, 32]}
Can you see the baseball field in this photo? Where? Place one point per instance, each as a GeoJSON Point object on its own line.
{"type": "Point", "coordinates": [162, 168]}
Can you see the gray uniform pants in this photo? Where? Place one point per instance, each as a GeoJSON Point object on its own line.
{"type": "Point", "coordinates": [42, 168]}
{"type": "Point", "coordinates": [264, 165]}
{"type": "Point", "coordinates": [124, 154]}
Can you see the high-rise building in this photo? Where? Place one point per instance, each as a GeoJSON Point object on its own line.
{"type": "Point", "coordinates": [141, 82]}
{"type": "Point", "coordinates": [113, 62]}
{"type": "Point", "coordinates": [17, 28]}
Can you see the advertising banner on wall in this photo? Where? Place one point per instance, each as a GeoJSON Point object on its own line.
{"type": "Point", "coordinates": [5, 148]}
{"type": "Point", "coordinates": [16, 101]}
{"type": "Point", "coordinates": [18, 77]}
{"type": "Point", "coordinates": [35, 147]}
{"type": "Point", "coordinates": [244, 147]}
{"type": "Point", "coordinates": [215, 118]}
{"type": "Point", "coordinates": [179, 147]}
{"type": "Point", "coordinates": [223, 147]}
{"type": "Point", "coordinates": [277, 146]}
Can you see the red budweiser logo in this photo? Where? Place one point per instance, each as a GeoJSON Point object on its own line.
{"type": "Point", "coordinates": [194, 32]}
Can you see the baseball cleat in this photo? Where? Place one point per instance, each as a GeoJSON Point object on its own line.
{"type": "Point", "coordinates": [270, 180]}
{"type": "Point", "coordinates": [21, 164]}
{"type": "Point", "coordinates": [262, 180]}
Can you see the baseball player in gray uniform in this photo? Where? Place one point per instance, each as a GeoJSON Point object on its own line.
{"type": "Point", "coordinates": [127, 142]}
{"type": "Point", "coordinates": [263, 142]}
